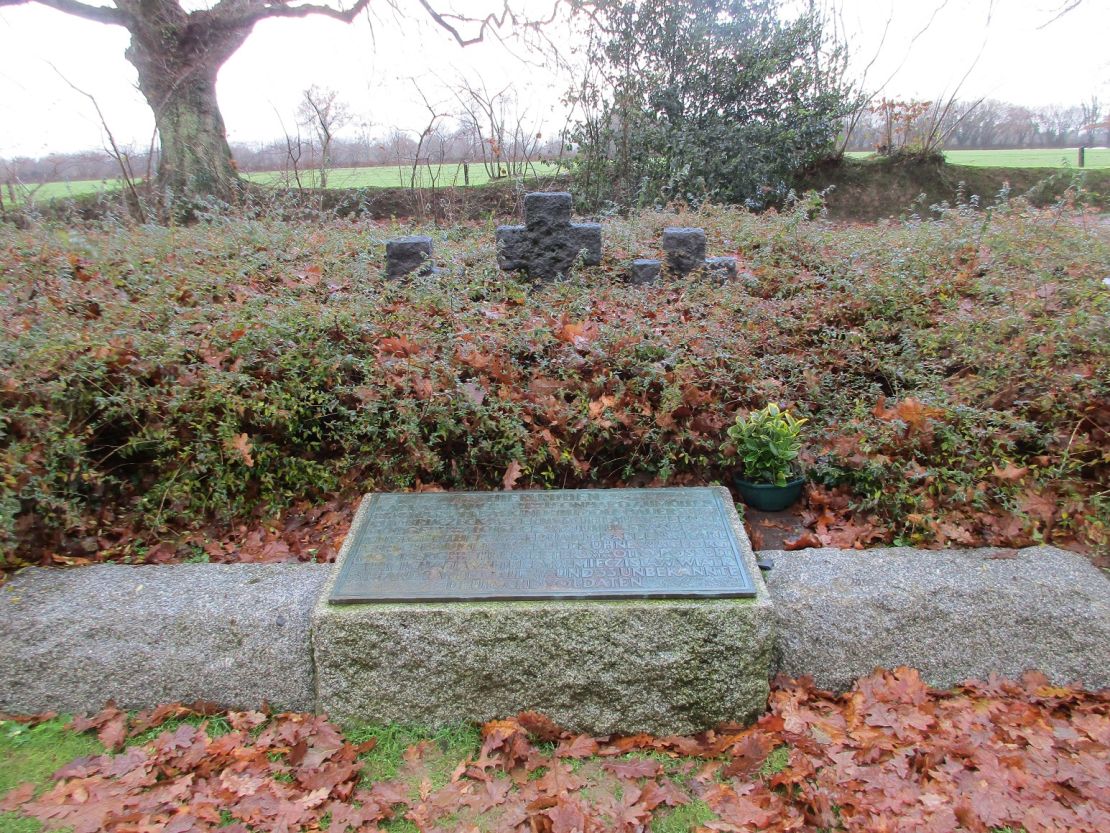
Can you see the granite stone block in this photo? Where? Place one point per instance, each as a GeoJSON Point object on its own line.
{"type": "Point", "coordinates": [644, 271]}
{"type": "Point", "coordinates": [408, 254]}
{"type": "Point", "coordinates": [233, 634]}
{"type": "Point", "coordinates": [663, 666]}
{"type": "Point", "coordinates": [952, 614]}
{"type": "Point", "coordinates": [721, 269]}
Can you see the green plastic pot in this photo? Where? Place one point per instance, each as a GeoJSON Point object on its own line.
{"type": "Point", "coordinates": [767, 496]}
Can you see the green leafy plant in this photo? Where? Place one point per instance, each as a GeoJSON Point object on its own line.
{"type": "Point", "coordinates": [768, 442]}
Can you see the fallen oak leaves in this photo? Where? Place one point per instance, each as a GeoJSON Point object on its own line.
{"type": "Point", "coordinates": [892, 754]}
{"type": "Point", "coordinates": [833, 523]}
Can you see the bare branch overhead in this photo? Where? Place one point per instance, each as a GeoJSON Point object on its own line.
{"type": "Point", "coordinates": [101, 14]}
{"type": "Point", "coordinates": [233, 14]}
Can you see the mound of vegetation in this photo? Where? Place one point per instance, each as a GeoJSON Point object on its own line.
{"type": "Point", "coordinates": [896, 186]}
{"type": "Point", "coordinates": [155, 380]}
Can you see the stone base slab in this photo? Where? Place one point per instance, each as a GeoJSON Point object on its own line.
{"type": "Point", "coordinates": [664, 666]}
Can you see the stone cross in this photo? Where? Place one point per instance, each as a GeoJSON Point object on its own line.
{"type": "Point", "coordinates": [408, 254]}
{"type": "Point", "coordinates": [548, 244]}
{"type": "Point", "coordinates": [684, 249]}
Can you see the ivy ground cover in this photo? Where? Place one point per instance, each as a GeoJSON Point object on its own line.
{"type": "Point", "coordinates": [224, 391]}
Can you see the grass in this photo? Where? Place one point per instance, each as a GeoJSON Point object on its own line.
{"type": "Point", "coordinates": [62, 189]}
{"type": "Point", "coordinates": [683, 819]}
{"type": "Point", "coordinates": [34, 754]}
{"type": "Point", "coordinates": [378, 176]}
{"type": "Point", "coordinates": [776, 762]}
{"type": "Point", "coordinates": [386, 759]}
{"type": "Point", "coordinates": [396, 176]}
{"type": "Point", "coordinates": [214, 726]}
{"type": "Point", "coordinates": [1019, 158]}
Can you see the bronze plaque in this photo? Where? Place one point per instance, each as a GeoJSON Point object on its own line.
{"type": "Point", "coordinates": [571, 544]}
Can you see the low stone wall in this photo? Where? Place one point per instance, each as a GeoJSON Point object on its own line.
{"type": "Point", "coordinates": [240, 634]}
{"type": "Point", "coordinates": [233, 634]}
{"type": "Point", "coordinates": [954, 614]}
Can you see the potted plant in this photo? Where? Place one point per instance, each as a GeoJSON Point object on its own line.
{"type": "Point", "coordinates": [767, 443]}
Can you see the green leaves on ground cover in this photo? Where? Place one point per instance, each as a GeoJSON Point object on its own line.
{"type": "Point", "coordinates": [154, 381]}
{"type": "Point", "coordinates": [891, 754]}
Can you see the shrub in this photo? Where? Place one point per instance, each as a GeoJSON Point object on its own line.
{"type": "Point", "coordinates": [953, 371]}
{"type": "Point", "coordinates": [767, 442]}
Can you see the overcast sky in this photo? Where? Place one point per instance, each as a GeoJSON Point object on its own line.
{"type": "Point", "coordinates": [373, 63]}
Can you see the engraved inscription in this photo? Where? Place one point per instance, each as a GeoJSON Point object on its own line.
{"type": "Point", "coordinates": [590, 543]}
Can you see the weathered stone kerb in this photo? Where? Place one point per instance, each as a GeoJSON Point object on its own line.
{"type": "Point", "coordinates": [233, 634]}
{"type": "Point", "coordinates": [239, 634]}
{"type": "Point", "coordinates": [954, 615]}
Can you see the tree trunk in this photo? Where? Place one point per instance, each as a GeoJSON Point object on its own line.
{"type": "Point", "coordinates": [195, 157]}
{"type": "Point", "coordinates": [178, 62]}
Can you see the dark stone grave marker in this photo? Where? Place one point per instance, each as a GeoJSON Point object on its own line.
{"type": "Point", "coordinates": [684, 249]}
{"type": "Point", "coordinates": [408, 254]}
{"type": "Point", "coordinates": [548, 244]}
{"type": "Point", "coordinates": [721, 269]}
{"type": "Point", "coordinates": [644, 271]}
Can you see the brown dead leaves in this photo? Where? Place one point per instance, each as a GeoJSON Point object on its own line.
{"type": "Point", "coordinates": [834, 523]}
{"type": "Point", "coordinates": [890, 755]}
{"type": "Point", "coordinates": [241, 446]}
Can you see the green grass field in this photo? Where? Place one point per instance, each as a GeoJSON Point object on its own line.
{"type": "Point", "coordinates": [395, 176]}
{"type": "Point", "coordinates": [383, 176]}
{"type": "Point", "coordinates": [398, 176]}
{"type": "Point", "coordinates": [1030, 158]}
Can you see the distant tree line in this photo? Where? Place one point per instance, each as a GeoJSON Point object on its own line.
{"type": "Point", "coordinates": [675, 100]}
{"type": "Point", "coordinates": [889, 125]}
{"type": "Point", "coordinates": [892, 125]}
{"type": "Point", "coordinates": [448, 144]}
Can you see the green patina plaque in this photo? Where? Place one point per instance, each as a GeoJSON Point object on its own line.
{"type": "Point", "coordinates": [571, 544]}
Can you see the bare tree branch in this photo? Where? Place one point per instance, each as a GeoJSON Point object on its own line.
{"type": "Point", "coordinates": [235, 14]}
{"type": "Point", "coordinates": [1071, 5]}
{"type": "Point", "coordinates": [133, 202]}
{"type": "Point", "coordinates": [101, 14]}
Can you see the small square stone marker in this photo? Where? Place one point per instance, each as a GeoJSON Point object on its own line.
{"type": "Point", "coordinates": [573, 544]}
{"type": "Point", "coordinates": [684, 249]}
{"type": "Point", "coordinates": [644, 271]}
{"type": "Point", "coordinates": [721, 269]}
{"type": "Point", "coordinates": [408, 254]}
